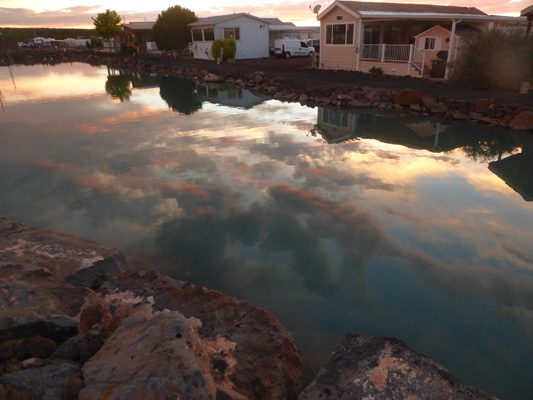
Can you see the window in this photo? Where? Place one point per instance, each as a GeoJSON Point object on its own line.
{"type": "Point", "coordinates": [339, 34]}
{"type": "Point", "coordinates": [209, 34]}
{"type": "Point", "coordinates": [429, 44]}
{"type": "Point", "coordinates": [372, 33]}
{"type": "Point", "coordinates": [334, 117]}
{"type": "Point", "coordinates": [232, 33]}
{"type": "Point", "coordinates": [196, 35]}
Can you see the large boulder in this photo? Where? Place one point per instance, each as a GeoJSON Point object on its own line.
{"type": "Point", "coordinates": [523, 121]}
{"type": "Point", "coordinates": [37, 272]}
{"type": "Point", "coordinates": [251, 354]}
{"type": "Point", "coordinates": [406, 97]}
{"type": "Point", "coordinates": [364, 367]}
{"type": "Point", "coordinates": [161, 357]}
{"type": "Point", "coordinates": [43, 383]}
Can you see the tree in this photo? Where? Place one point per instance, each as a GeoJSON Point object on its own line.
{"type": "Point", "coordinates": [495, 59]}
{"type": "Point", "coordinates": [170, 29]}
{"type": "Point", "coordinates": [107, 24]}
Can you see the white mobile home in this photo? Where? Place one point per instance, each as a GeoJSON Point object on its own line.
{"type": "Point", "coordinates": [250, 33]}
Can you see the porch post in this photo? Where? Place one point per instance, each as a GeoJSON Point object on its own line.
{"type": "Point", "coordinates": [360, 44]}
{"type": "Point", "coordinates": [451, 48]}
{"type": "Point", "coordinates": [410, 59]}
{"type": "Point", "coordinates": [383, 52]}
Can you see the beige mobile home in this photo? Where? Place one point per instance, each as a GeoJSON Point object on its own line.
{"type": "Point", "coordinates": [401, 39]}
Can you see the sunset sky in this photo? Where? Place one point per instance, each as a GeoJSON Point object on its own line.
{"type": "Point", "coordinates": [78, 13]}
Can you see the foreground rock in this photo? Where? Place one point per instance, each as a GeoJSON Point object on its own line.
{"type": "Point", "coordinates": [365, 367]}
{"type": "Point", "coordinates": [75, 322]}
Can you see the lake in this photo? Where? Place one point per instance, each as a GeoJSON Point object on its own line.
{"type": "Point", "coordinates": [337, 221]}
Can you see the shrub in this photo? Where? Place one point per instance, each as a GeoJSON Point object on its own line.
{"type": "Point", "coordinates": [128, 50]}
{"type": "Point", "coordinates": [376, 70]}
{"type": "Point", "coordinates": [229, 46]}
{"type": "Point", "coordinates": [494, 60]}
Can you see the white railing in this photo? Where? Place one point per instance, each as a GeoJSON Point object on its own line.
{"type": "Point", "coordinates": [418, 59]}
{"type": "Point", "coordinates": [393, 53]}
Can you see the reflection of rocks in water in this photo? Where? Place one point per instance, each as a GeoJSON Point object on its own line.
{"type": "Point", "coordinates": [179, 94]}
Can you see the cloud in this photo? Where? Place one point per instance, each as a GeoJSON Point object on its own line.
{"type": "Point", "coordinates": [290, 11]}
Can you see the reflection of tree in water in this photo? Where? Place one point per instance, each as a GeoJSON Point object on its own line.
{"type": "Point", "coordinates": [490, 147]}
{"type": "Point", "coordinates": [179, 95]}
{"type": "Point", "coordinates": [119, 87]}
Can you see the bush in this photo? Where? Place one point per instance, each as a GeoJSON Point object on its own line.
{"type": "Point", "coordinates": [376, 70]}
{"type": "Point", "coordinates": [128, 50]}
{"type": "Point", "coordinates": [494, 60]}
{"type": "Point", "coordinates": [229, 46]}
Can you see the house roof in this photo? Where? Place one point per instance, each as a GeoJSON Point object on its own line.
{"type": "Point", "coordinates": [218, 19]}
{"type": "Point", "coordinates": [459, 30]}
{"type": "Point", "coordinates": [527, 11]}
{"type": "Point", "coordinates": [359, 6]}
{"type": "Point", "coordinates": [140, 26]}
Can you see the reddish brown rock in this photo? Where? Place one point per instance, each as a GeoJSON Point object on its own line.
{"type": "Point", "coordinates": [34, 266]}
{"type": "Point", "coordinates": [265, 363]}
{"type": "Point", "coordinates": [40, 347]}
{"type": "Point", "coordinates": [407, 97]}
{"type": "Point", "coordinates": [482, 105]}
{"type": "Point", "coordinates": [523, 121]}
{"type": "Point", "coordinates": [364, 367]}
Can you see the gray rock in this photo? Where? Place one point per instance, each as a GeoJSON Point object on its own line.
{"type": "Point", "coordinates": [57, 327]}
{"type": "Point", "coordinates": [43, 383]}
{"type": "Point", "coordinates": [364, 367]}
{"type": "Point", "coordinates": [429, 101]}
{"type": "Point", "coordinates": [92, 277]}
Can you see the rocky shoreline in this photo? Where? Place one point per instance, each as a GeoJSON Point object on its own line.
{"type": "Point", "coordinates": [76, 322]}
{"type": "Point", "coordinates": [405, 102]}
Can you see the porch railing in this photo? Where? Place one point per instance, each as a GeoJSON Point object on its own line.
{"type": "Point", "coordinates": [395, 53]}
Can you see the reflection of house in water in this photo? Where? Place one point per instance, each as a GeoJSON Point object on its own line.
{"type": "Point", "coordinates": [340, 125]}
{"type": "Point", "coordinates": [138, 79]}
{"type": "Point", "coordinates": [516, 171]}
{"type": "Point", "coordinates": [227, 95]}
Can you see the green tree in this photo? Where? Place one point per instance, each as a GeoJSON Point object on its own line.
{"type": "Point", "coordinates": [107, 24]}
{"type": "Point", "coordinates": [170, 29]}
{"type": "Point", "coordinates": [495, 59]}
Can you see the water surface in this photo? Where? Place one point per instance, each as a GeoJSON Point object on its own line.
{"type": "Point", "coordinates": [336, 221]}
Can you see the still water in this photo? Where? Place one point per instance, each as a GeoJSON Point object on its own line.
{"type": "Point", "coordinates": [335, 221]}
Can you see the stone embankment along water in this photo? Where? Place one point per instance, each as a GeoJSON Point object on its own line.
{"type": "Point", "coordinates": [77, 323]}
{"type": "Point", "coordinates": [405, 102]}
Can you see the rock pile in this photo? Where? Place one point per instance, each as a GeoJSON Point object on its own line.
{"type": "Point", "coordinates": [76, 322]}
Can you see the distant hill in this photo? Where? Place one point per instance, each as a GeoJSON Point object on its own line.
{"type": "Point", "coordinates": [12, 35]}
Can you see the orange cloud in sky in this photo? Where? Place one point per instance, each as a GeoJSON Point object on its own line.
{"type": "Point", "coordinates": [24, 13]}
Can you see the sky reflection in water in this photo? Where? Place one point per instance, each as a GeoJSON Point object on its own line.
{"type": "Point", "coordinates": [324, 217]}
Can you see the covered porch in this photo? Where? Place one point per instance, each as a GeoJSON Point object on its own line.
{"type": "Point", "coordinates": [398, 57]}
{"type": "Point", "coordinates": [408, 47]}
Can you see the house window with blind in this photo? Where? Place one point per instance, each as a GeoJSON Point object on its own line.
{"type": "Point", "coordinates": [197, 35]}
{"type": "Point", "coordinates": [429, 44]}
{"type": "Point", "coordinates": [340, 34]}
{"type": "Point", "coordinates": [232, 33]}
